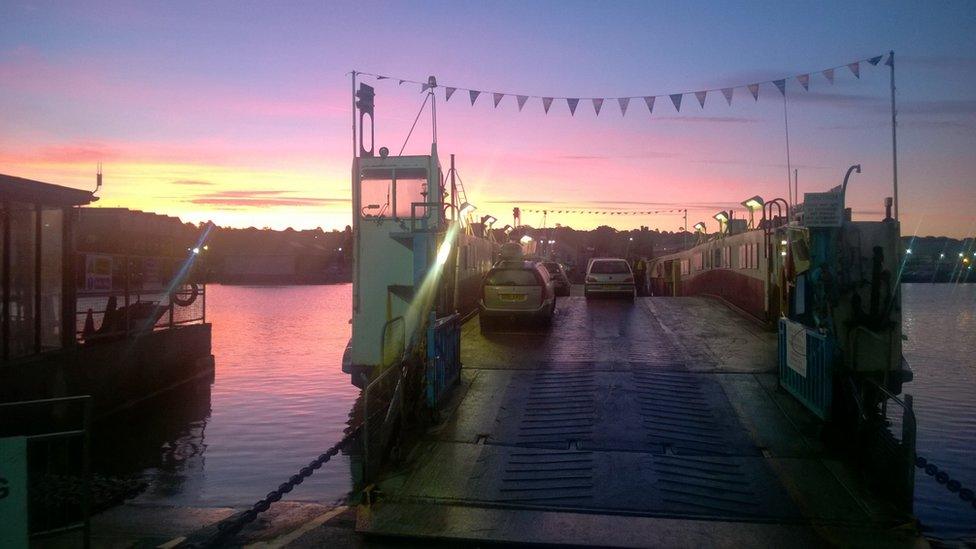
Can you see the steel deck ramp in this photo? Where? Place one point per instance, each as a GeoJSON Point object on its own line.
{"type": "Point", "coordinates": [602, 422]}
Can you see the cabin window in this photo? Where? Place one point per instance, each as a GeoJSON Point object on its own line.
{"type": "Point", "coordinates": [686, 265]}
{"type": "Point", "coordinates": [749, 256]}
{"type": "Point", "coordinates": [23, 269]}
{"type": "Point", "coordinates": [699, 265]}
{"type": "Point", "coordinates": [376, 192]}
{"type": "Point", "coordinates": [411, 187]}
{"type": "Point", "coordinates": [386, 192]}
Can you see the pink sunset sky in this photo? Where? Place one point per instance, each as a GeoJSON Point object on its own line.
{"type": "Point", "coordinates": [240, 112]}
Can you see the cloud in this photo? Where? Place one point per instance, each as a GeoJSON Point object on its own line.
{"type": "Point", "coordinates": [191, 182]}
{"type": "Point", "coordinates": [711, 119]}
{"type": "Point", "coordinates": [948, 62]}
{"type": "Point", "coordinates": [267, 202]}
{"type": "Point", "coordinates": [648, 154]}
{"type": "Point", "coordinates": [261, 198]}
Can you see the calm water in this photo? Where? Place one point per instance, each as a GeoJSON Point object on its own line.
{"type": "Point", "coordinates": [940, 322]}
{"type": "Point", "coordinates": [279, 398]}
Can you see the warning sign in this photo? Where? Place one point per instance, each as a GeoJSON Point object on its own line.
{"type": "Point", "coordinates": [823, 209]}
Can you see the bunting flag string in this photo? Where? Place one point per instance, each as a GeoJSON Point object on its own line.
{"type": "Point", "coordinates": [624, 102]}
{"type": "Point", "coordinates": [597, 211]}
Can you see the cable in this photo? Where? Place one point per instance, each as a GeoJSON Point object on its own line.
{"type": "Point", "coordinates": [415, 123]}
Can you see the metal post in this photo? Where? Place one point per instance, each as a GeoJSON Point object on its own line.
{"type": "Point", "coordinates": [86, 472]}
{"type": "Point", "coordinates": [125, 290]}
{"type": "Point", "coordinates": [38, 251]}
{"type": "Point", "coordinates": [6, 280]}
{"type": "Point", "coordinates": [786, 121]}
{"type": "Point", "coordinates": [355, 146]}
{"type": "Point", "coordinates": [69, 301]}
{"type": "Point", "coordinates": [894, 132]}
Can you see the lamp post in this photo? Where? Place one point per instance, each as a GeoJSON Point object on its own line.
{"type": "Point", "coordinates": [723, 218]}
{"type": "Point", "coordinates": [753, 204]}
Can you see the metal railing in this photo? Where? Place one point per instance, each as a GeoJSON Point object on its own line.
{"type": "Point", "coordinates": [59, 476]}
{"type": "Point", "coordinates": [813, 386]}
{"type": "Point", "coordinates": [891, 455]}
{"type": "Point", "coordinates": [118, 295]}
{"type": "Point", "coordinates": [443, 368]}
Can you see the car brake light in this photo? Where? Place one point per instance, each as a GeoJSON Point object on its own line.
{"type": "Point", "coordinates": [591, 279]}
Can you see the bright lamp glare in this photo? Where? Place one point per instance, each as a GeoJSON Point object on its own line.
{"type": "Point", "coordinates": [525, 239]}
{"type": "Point", "coordinates": [722, 216]}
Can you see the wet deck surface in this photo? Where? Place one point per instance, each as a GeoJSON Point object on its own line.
{"type": "Point", "coordinates": [656, 422]}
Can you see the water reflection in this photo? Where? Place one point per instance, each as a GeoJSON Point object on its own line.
{"type": "Point", "coordinates": [278, 399]}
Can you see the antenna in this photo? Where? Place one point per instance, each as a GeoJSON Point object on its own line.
{"type": "Point", "coordinates": [98, 178]}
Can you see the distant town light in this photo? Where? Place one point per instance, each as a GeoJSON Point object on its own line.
{"type": "Point", "coordinates": [942, 256]}
{"type": "Point", "coordinates": [196, 250]}
{"type": "Point", "coordinates": [525, 239]}
{"type": "Point", "coordinates": [908, 251]}
{"type": "Point", "coordinates": [206, 246]}
{"type": "Point", "coordinates": [783, 242]}
{"type": "Point", "coordinates": [340, 249]}
{"type": "Point", "coordinates": [631, 239]}
{"type": "Point", "coordinates": [960, 254]}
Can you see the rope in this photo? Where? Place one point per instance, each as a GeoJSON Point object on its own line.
{"type": "Point", "coordinates": [421, 111]}
{"type": "Point", "coordinates": [232, 527]}
{"type": "Point", "coordinates": [943, 478]}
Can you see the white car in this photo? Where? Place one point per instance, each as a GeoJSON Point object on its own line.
{"type": "Point", "coordinates": [609, 276]}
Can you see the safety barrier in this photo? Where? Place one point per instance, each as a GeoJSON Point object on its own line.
{"type": "Point", "coordinates": [59, 481]}
{"type": "Point", "coordinates": [443, 368]}
{"type": "Point", "coordinates": [806, 367]}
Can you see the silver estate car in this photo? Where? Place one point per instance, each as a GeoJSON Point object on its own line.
{"type": "Point", "coordinates": [609, 276]}
{"type": "Point", "coordinates": [516, 289]}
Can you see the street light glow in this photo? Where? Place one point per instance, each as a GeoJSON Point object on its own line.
{"type": "Point", "coordinates": [754, 203]}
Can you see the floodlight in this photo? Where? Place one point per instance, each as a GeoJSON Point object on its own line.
{"type": "Point", "coordinates": [722, 217]}
{"type": "Point", "coordinates": [754, 203]}
{"type": "Point", "coordinates": [700, 226]}
{"type": "Point", "coordinates": [466, 208]}
{"type": "Point", "coordinates": [488, 220]}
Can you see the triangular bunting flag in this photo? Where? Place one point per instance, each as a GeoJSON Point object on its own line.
{"type": "Point", "coordinates": [474, 95]}
{"type": "Point", "coordinates": [829, 75]}
{"type": "Point", "coordinates": [497, 97]}
{"type": "Point", "coordinates": [649, 100]}
{"type": "Point", "coordinates": [623, 102]}
{"type": "Point", "coordinates": [676, 99]}
{"type": "Point", "coordinates": [700, 96]}
{"type": "Point", "coordinates": [572, 102]}
{"type": "Point", "coordinates": [754, 90]}
{"type": "Point", "coordinates": [875, 60]}
{"type": "Point", "coordinates": [448, 92]}
{"type": "Point", "coordinates": [400, 83]}
{"type": "Point", "coordinates": [855, 68]}
{"type": "Point", "coordinates": [546, 103]}
{"type": "Point", "coordinates": [891, 60]}
{"type": "Point", "coordinates": [597, 105]}
{"type": "Point", "coordinates": [727, 92]}
{"type": "Point", "coordinates": [804, 80]}
{"type": "Point", "coordinates": [378, 77]}
{"type": "Point", "coordinates": [521, 101]}
{"type": "Point", "coordinates": [781, 85]}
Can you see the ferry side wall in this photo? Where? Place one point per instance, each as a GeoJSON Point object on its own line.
{"type": "Point", "coordinates": [117, 374]}
{"type": "Point", "coordinates": [745, 292]}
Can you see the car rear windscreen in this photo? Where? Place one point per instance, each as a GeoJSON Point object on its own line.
{"type": "Point", "coordinates": [610, 267]}
{"type": "Point", "coordinates": [511, 277]}
{"type": "Point", "coordinates": [551, 267]}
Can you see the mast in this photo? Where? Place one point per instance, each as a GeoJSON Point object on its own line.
{"type": "Point", "coordinates": [355, 150]}
{"type": "Point", "coordinates": [894, 132]}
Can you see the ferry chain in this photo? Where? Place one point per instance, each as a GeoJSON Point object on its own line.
{"type": "Point", "coordinates": [942, 477]}
{"type": "Point", "coordinates": [230, 528]}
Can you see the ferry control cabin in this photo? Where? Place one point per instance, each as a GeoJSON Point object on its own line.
{"type": "Point", "coordinates": [119, 327]}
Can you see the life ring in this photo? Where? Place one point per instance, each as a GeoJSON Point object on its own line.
{"type": "Point", "coordinates": [187, 301]}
